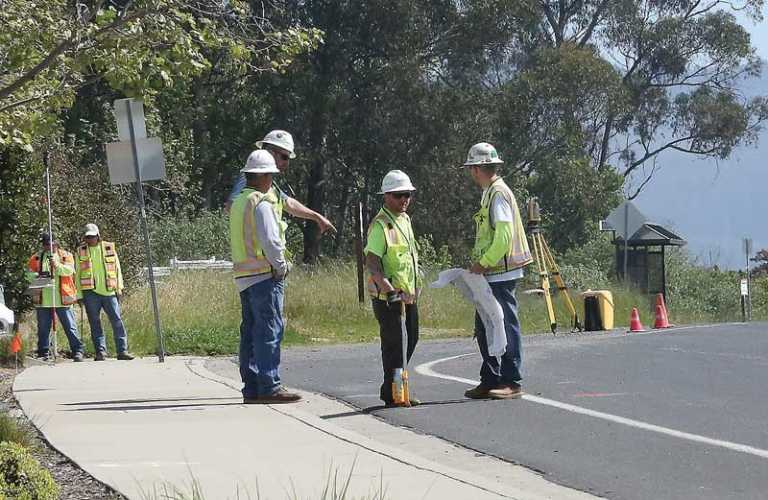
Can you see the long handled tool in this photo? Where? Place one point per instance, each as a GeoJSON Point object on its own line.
{"type": "Point", "coordinates": [400, 393]}
{"type": "Point", "coordinates": [50, 264]}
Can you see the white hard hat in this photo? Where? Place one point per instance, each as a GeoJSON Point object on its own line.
{"type": "Point", "coordinates": [91, 230]}
{"type": "Point", "coordinates": [482, 153]}
{"type": "Point", "coordinates": [260, 162]}
{"type": "Point", "coordinates": [394, 181]}
{"type": "Point", "coordinates": [279, 138]}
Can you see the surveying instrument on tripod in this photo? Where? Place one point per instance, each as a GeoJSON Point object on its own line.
{"type": "Point", "coordinates": [546, 265]}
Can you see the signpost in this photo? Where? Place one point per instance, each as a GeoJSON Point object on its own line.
{"type": "Point", "coordinates": [137, 158]}
{"type": "Point", "coordinates": [625, 220]}
{"type": "Point", "coordinates": [748, 295]}
{"type": "Point", "coordinates": [744, 289]}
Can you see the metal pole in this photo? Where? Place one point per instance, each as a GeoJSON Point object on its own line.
{"type": "Point", "coordinates": [626, 242]}
{"type": "Point", "coordinates": [145, 230]}
{"type": "Point", "coordinates": [747, 250]}
{"type": "Point", "coordinates": [359, 253]}
{"type": "Point", "coordinates": [50, 237]}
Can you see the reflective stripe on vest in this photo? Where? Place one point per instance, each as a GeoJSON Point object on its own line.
{"type": "Point", "coordinates": [400, 261]}
{"type": "Point", "coordinates": [109, 261]}
{"type": "Point", "coordinates": [518, 255]}
{"type": "Point", "coordinates": [67, 290]}
{"type": "Point", "coordinates": [248, 257]}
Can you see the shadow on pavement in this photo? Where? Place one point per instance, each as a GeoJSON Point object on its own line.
{"type": "Point", "coordinates": [372, 409]}
{"type": "Point", "coordinates": [156, 400]}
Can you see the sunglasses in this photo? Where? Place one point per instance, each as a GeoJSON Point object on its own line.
{"type": "Point", "coordinates": [406, 194]}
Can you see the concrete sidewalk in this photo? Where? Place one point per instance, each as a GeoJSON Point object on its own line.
{"type": "Point", "coordinates": [143, 427]}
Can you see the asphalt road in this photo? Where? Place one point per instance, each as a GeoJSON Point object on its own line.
{"type": "Point", "coordinates": [681, 414]}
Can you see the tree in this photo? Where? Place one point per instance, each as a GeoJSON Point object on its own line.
{"type": "Point", "coordinates": [61, 64]}
{"type": "Point", "coordinates": [761, 263]}
{"type": "Point", "coordinates": [629, 80]}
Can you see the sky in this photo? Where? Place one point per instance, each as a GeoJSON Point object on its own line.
{"type": "Point", "coordinates": [714, 205]}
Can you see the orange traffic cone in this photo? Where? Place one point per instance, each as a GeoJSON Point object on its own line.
{"type": "Point", "coordinates": [634, 322]}
{"type": "Point", "coordinates": [661, 318]}
{"type": "Point", "coordinates": [665, 321]}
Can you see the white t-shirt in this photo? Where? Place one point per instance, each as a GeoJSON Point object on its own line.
{"type": "Point", "coordinates": [501, 211]}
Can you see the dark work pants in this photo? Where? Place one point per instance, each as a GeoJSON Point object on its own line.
{"type": "Point", "coordinates": [391, 344]}
{"type": "Point", "coordinates": [491, 374]}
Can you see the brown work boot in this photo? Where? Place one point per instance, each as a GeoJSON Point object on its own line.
{"type": "Point", "coordinates": [280, 396]}
{"type": "Point", "coordinates": [100, 356]}
{"type": "Point", "coordinates": [125, 356]}
{"type": "Point", "coordinates": [506, 391]}
{"type": "Point", "coordinates": [479, 392]}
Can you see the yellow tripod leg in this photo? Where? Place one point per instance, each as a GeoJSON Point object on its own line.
{"type": "Point", "coordinates": [561, 286]}
{"type": "Point", "coordinates": [538, 249]}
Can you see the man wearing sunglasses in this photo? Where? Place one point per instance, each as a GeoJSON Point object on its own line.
{"type": "Point", "coordinates": [500, 254]}
{"type": "Point", "coordinates": [279, 143]}
{"type": "Point", "coordinates": [393, 262]}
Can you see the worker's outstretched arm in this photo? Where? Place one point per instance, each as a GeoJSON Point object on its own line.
{"type": "Point", "coordinates": [297, 209]}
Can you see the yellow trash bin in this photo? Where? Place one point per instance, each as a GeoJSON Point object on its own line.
{"type": "Point", "coordinates": [598, 310]}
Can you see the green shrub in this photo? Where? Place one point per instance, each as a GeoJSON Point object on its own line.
{"type": "Point", "coordinates": [433, 259]}
{"type": "Point", "coordinates": [203, 237]}
{"type": "Point", "coordinates": [12, 432]}
{"type": "Point", "coordinates": [22, 477]}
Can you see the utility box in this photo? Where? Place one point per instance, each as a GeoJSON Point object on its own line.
{"type": "Point", "coordinates": [598, 310]}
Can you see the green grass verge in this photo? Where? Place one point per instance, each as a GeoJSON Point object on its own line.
{"type": "Point", "coordinates": [200, 312]}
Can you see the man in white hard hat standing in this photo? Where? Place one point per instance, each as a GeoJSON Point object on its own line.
{"type": "Point", "coordinates": [500, 254]}
{"type": "Point", "coordinates": [393, 262]}
{"type": "Point", "coordinates": [258, 254]}
{"type": "Point", "coordinates": [99, 283]}
{"type": "Point", "coordinates": [279, 143]}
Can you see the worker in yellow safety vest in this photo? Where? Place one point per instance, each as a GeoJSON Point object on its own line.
{"type": "Point", "coordinates": [500, 254]}
{"type": "Point", "coordinates": [393, 262]}
{"type": "Point", "coordinates": [100, 283]}
{"type": "Point", "coordinates": [58, 265]}
{"type": "Point", "coordinates": [257, 242]}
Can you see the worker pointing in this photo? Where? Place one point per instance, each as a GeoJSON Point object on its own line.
{"type": "Point", "coordinates": [279, 144]}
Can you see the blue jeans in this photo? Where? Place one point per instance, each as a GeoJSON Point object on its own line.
{"type": "Point", "coordinates": [261, 332]}
{"type": "Point", "coordinates": [491, 374]}
{"type": "Point", "coordinates": [67, 320]}
{"type": "Point", "coordinates": [94, 303]}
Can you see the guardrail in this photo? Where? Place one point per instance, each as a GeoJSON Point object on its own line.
{"type": "Point", "coordinates": [188, 265]}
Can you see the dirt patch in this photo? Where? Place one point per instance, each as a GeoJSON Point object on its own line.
{"type": "Point", "coordinates": [74, 482]}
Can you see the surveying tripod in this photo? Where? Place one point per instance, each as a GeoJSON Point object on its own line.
{"type": "Point", "coordinates": [546, 265]}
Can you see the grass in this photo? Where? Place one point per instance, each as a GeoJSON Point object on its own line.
{"type": "Point", "coordinates": [200, 312]}
{"type": "Point", "coordinates": [336, 487]}
{"type": "Point", "coordinates": [11, 430]}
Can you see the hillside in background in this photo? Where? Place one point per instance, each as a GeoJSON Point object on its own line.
{"type": "Point", "coordinates": [714, 204]}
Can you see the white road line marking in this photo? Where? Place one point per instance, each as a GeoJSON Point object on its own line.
{"type": "Point", "coordinates": [426, 370]}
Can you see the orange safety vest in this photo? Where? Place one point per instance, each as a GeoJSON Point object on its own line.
{"type": "Point", "coordinates": [109, 255]}
{"type": "Point", "coordinates": [67, 289]}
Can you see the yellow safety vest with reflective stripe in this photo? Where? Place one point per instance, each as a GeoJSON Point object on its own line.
{"type": "Point", "coordinates": [85, 266]}
{"type": "Point", "coordinates": [518, 255]}
{"type": "Point", "coordinates": [248, 257]}
{"type": "Point", "coordinates": [401, 259]}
